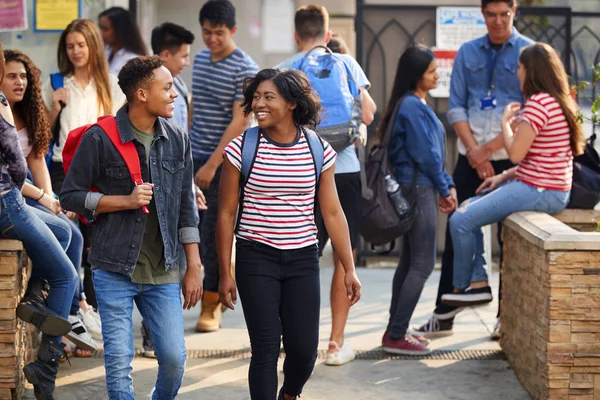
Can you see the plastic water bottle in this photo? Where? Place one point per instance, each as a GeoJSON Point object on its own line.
{"type": "Point", "coordinates": [395, 193]}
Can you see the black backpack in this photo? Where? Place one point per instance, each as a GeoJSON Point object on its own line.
{"type": "Point", "coordinates": [380, 223]}
{"type": "Point", "coordinates": [585, 193]}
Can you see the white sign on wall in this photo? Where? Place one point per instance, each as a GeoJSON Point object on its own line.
{"type": "Point", "coordinates": [457, 25]}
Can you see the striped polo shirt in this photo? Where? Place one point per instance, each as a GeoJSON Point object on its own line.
{"type": "Point", "coordinates": [215, 86]}
{"type": "Point", "coordinates": [279, 198]}
{"type": "Point", "coordinates": [549, 162]}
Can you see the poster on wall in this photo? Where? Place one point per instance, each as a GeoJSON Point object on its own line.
{"type": "Point", "coordinates": [445, 62]}
{"type": "Point", "coordinates": [55, 15]}
{"type": "Point", "coordinates": [13, 15]}
{"type": "Point", "coordinates": [457, 25]}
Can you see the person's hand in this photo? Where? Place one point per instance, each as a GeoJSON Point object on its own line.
{"type": "Point", "coordinates": [200, 199]}
{"type": "Point", "coordinates": [141, 195]}
{"type": "Point", "coordinates": [485, 170]}
{"type": "Point", "coordinates": [449, 203]}
{"type": "Point", "coordinates": [204, 176]}
{"type": "Point", "coordinates": [71, 215]}
{"type": "Point", "coordinates": [491, 183]}
{"type": "Point", "coordinates": [59, 96]}
{"type": "Point", "coordinates": [353, 287]}
{"type": "Point", "coordinates": [191, 287]}
{"type": "Point", "coordinates": [50, 203]}
{"type": "Point", "coordinates": [477, 155]}
{"type": "Point", "coordinates": [227, 292]}
{"type": "Point", "coordinates": [510, 111]}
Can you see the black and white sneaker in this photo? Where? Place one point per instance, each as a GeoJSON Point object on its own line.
{"type": "Point", "coordinates": [469, 297]}
{"type": "Point", "coordinates": [435, 328]}
{"type": "Point", "coordinates": [80, 336]}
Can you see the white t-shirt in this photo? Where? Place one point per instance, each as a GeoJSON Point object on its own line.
{"type": "Point", "coordinates": [82, 107]}
{"type": "Point", "coordinates": [24, 141]}
{"type": "Point", "coordinates": [119, 59]}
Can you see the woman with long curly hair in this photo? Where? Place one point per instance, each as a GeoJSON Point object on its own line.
{"type": "Point", "coordinates": [22, 88]}
{"type": "Point", "coordinates": [89, 90]}
{"type": "Point", "coordinates": [53, 278]}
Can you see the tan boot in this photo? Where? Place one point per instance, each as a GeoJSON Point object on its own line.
{"type": "Point", "coordinates": [211, 314]}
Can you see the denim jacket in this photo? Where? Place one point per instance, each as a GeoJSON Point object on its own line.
{"type": "Point", "coordinates": [117, 238]}
{"type": "Point", "coordinates": [419, 137]}
{"type": "Point", "coordinates": [470, 82]}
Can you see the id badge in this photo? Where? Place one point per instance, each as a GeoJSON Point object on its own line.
{"type": "Point", "coordinates": [487, 103]}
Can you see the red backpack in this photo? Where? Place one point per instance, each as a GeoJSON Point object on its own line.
{"type": "Point", "coordinates": [108, 123]}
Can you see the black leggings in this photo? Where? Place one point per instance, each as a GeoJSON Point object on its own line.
{"type": "Point", "coordinates": [280, 294]}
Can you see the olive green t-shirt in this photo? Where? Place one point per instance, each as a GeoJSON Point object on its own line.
{"type": "Point", "coordinates": [150, 267]}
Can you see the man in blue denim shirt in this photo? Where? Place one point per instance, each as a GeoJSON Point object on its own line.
{"type": "Point", "coordinates": [135, 254]}
{"type": "Point", "coordinates": [484, 80]}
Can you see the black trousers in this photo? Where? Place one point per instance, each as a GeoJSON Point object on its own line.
{"type": "Point", "coordinates": [467, 181]}
{"type": "Point", "coordinates": [280, 294]}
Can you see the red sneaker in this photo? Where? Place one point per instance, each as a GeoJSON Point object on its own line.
{"type": "Point", "coordinates": [408, 345]}
{"type": "Point", "coordinates": [422, 339]}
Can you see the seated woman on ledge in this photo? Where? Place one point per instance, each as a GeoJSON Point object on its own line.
{"type": "Point", "coordinates": [545, 138]}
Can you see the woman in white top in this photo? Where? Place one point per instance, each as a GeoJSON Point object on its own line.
{"type": "Point", "coordinates": [89, 90]}
{"type": "Point", "coordinates": [121, 36]}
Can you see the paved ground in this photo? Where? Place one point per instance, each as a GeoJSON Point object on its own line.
{"type": "Point", "coordinates": [374, 377]}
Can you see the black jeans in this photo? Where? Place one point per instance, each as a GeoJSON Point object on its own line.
{"type": "Point", "coordinates": [207, 227]}
{"type": "Point", "coordinates": [467, 181]}
{"type": "Point", "coordinates": [280, 294]}
{"type": "Point", "coordinates": [416, 262]}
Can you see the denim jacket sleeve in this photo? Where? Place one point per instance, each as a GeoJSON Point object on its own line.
{"type": "Point", "coordinates": [188, 226]}
{"type": "Point", "coordinates": [458, 103]}
{"type": "Point", "coordinates": [449, 179]}
{"type": "Point", "coordinates": [420, 145]}
{"type": "Point", "coordinates": [83, 172]}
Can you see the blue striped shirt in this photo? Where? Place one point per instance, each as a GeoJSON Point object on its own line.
{"type": "Point", "coordinates": [215, 86]}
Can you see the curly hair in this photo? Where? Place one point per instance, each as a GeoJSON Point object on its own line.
{"type": "Point", "coordinates": [31, 109]}
{"type": "Point", "coordinates": [295, 88]}
{"type": "Point", "coordinates": [138, 72]}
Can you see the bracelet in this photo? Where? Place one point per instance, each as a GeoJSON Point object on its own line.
{"type": "Point", "coordinates": [42, 195]}
{"type": "Point", "coordinates": [505, 172]}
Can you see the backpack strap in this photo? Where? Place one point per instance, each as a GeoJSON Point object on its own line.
{"type": "Point", "coordinates": [317, 150]}
{"type": "Point", "coordinates": [126, 150]}
{"type": "Point", "coordinates": [250, 143]}
{"type": "Point", "coordinates": [57, 80]}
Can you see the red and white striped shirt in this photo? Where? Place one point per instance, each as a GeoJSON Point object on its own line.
{"type": "Point", "coordinates": [279, 197]}
{"type": "Point", "coordinates": [549, 162]}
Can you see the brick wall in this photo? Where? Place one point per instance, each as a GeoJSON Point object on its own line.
{"type": "Point", "coordinates": [551, 316]}
{"type": "Point", "coordinates": [18, 341]}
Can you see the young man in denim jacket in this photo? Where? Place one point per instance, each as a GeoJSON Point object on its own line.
{"type": "Point", "coordinates": [134, 255]}
{"type": "Point", "coordinates": [484, 80]}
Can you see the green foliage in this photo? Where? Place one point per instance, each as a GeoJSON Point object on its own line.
{"type": "Point", "coordinates": [595, 108]}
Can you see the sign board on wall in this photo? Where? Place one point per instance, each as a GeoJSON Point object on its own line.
{"type": "Point", "coordinates": [457, 25]}
{"type": "Point", "coordinates": [55, 15]}
{"type": "Point", "coordinates": [13, 15]}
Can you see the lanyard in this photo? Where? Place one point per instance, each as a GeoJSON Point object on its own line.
{"type": "Point", "coordinates": [491, 68]}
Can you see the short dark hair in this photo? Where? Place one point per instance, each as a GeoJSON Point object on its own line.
{"type": "Point", "coordinates": [218, 12]}
{"type": "Point", "coordinates": [485, 3]}
{"type": "Point", "coordinates": [169, 36]}
{"type": "Point", "coordinates": [138, 72]}
{"type": "Point", "coordinates": [295, 88]}
{"type": "Point", "coordinates": [311, 21]}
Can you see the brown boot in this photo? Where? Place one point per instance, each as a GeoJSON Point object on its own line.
{"type": "Point", "coordinates": [211, 314]}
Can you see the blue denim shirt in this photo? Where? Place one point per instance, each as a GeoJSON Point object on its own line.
{"type": "Point", "coordinates": [471, 81]}
{"type": "Point", "coordinates": [419, 137]}
{"type": "Point", "coordinates": [117, 238]}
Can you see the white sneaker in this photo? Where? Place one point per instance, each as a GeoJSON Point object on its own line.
{"type": "Point", "coordinates": [79, 335]}
{"type": "Point", "coordinates": [91, 320]}
{"type": "Point", "coordinates": [496, 333]}
{"type": "Point", "coordinates": [341, 356]}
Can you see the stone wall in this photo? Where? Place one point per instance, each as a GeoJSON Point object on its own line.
{"type": "Point", "coordinates": [18, 341]}
{"type": "Point", "coordinates": [551, 305]}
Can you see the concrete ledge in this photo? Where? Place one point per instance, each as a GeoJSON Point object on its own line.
{"type": "Point", "coordinates": [552, 232]}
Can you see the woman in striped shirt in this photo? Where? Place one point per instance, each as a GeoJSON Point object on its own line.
{"type": "Point", "coordinates": [542, 142]}
{"type": "Point", "coordinates": [277, 257]}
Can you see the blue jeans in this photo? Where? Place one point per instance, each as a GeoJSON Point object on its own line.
{"type": "Point", "coordinates": [49, 260]}
{"type": "Point", "coordinates": [70, 238]}
{"type": "Point", "coordinates": [467, 221]}
{"type": "Point", "coordinates": [161, 309]}
{"type": "Point", "coordinates": [416, 262]}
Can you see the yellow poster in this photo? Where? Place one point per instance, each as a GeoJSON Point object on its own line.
{"type": "Point", "coordinates": [55, 15]}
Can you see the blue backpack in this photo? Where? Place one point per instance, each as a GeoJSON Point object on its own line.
{"type": "Point", "coordinates": [339, 93]}
{"type": "Point", "coordinates": [57, 80]}
{"type": "Point", "coordinates": [250, 143]}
